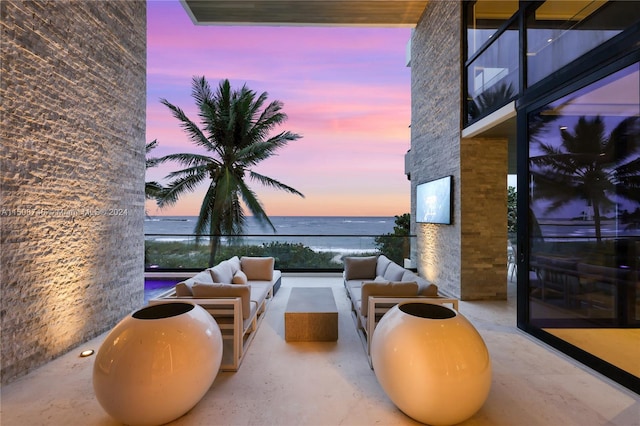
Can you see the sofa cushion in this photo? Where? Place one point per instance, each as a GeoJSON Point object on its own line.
{"type": "Point", "coordinates": [391, 289]}
{"type": "Point", "coordinates": [257, 268]}
{"type": "Point", "coordinates": [426, 288]}
{"type": "Point", "coordinates": [259, 291]}
{"type": "Point", "coordinates": [235, 263]}
{"type": "Point", "coordinates": [394, 272]}
{"type": "Point", "coordinates": [363, 267]}
{"type": "Point", "coordinates": [239, 278]}
{"type": "Point", "coordinates": [225, 290]}
{"type": "Point", "coordinates": [382, 265]}
{"type": "Point", "coordinates": [183, 289]}
{"type": "Point", "coordinates": [222, 272]}
{"type": "Point", "coordinates": [408, 276]}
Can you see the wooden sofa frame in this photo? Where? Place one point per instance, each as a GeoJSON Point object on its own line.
{"type": "Point", "coordinates": [237, 334]}
{"type": "Point", "coordinates": [379, 305]}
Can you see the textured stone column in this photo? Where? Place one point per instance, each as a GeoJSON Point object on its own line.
{"type": "Point", "coordinates": [468, 258]}
{"type": "Point", "coordinates": [483, 218]}
{"type": "Point", "coordinates": [72, 170]}
{"type": "Point", "coordinates": [435, 136]}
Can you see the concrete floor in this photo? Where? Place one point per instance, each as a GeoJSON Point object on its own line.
{"type": "Point", "coordinates": [318, 383]}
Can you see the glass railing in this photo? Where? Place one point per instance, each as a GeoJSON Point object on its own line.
{"type": "Point", "coordinates": [492, 77]}
{"type": "Point", "coordinates": [299, 253]}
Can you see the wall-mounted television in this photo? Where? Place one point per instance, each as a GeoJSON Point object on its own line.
{"type": "Point", "coordinates": [433, 201]}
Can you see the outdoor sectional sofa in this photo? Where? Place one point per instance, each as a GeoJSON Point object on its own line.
{"type": "Point", "coordinates": [375, 284]}
{"type": "Point", "coordinates": [236, 293]}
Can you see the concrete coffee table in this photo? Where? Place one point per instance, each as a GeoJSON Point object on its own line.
{"type": "Point", "coordinates": [311, 315]}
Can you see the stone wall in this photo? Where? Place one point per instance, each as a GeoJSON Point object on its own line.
{"type": "Point", "coordinates": [468, 258]}
{"type": "Point", "coordinates": [435, 135]}
{"type": "Point", "coordinates": [483, 200]}
{"type": "Point", "coordinates": [72, 173]}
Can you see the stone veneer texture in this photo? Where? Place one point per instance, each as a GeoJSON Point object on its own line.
{"type": "Point", "coordinates": [72, 174]}
{"type": "Point", "coordinates": [435, 135]}
{"type": "Point", "coordinates": [468, 258]}
{"type": "Point", "coordinates": [483, 199]}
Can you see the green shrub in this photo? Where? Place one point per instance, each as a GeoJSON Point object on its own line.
{"type": "Point", "coordinates": [188, 255]}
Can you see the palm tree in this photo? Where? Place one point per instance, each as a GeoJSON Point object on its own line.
{"type": "Point", "coordinates": [489, 100]}
{"type": "Point", "coordinates": [591, 166]}
{"type": "Point", "coordinates": [235, 133]}
{"type": "Point", "coordinates": [151, 189]}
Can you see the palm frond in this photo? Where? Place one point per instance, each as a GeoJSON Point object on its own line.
{"type": "Point", "coordinates": [235, 129]}
{"type": "Point", "coordinates": [199, 169]}
{"type": "Point", "coordinates": [267, 181]}
{"type": "Point", "coordinates": [150, 161]}
{"type": "Point", "coordinates": [188, 159]}
{"type": "Point", "coordinates": [174, 189]}
{"type": "Point", "coordinates": [152, 190]}
{"type": "Point", "coordinates": [193, 131]}
{"type": "Point", "coordinates": [255, 207]}
{"type": "Point", "coordinates": [624, 140]}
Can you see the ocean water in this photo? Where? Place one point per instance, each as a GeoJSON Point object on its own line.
{"type": "Point", "coordinates": [322, 233]}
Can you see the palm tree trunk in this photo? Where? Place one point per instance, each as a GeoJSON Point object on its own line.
{"type": "Point", "coordinates": [214, 242]}
{"type": "Point", "coordinates": [597, 220]}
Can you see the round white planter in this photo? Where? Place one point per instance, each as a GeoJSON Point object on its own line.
{"type": "Point", "coordinates": [157, 363]}
{"type": "Point", "coordinates": [431, 362]}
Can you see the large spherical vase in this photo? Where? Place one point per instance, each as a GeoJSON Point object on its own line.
{"type": "Point", "coordinates": [431, 362]}
{"type": "Point", "coordinates": [157, 363]}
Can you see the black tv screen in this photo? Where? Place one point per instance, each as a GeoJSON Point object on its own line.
{"type": "Point", "coordinates": [433, 201]}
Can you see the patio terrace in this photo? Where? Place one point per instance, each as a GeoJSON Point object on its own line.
{"type": "Point", "coordinates": [317, 383]}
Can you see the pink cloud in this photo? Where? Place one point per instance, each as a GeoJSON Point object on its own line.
{"type": "Point", "coordinates": [345, 90]}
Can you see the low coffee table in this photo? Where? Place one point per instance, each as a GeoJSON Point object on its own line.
{"type": "Point", "coordinates": [311, 315]}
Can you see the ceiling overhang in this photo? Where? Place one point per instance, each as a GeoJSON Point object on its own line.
{"type": "Point", "coordinates": [372, 13]}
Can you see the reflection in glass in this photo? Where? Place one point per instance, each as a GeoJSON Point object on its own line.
{"type": "Point", "coordinates": [560, 31]}
{"type": "Point", "coordinates": [493, 78]}
{"type": "Point", "coordinates": [484, 18]}
{"type": "Point", "coordinates": [584, 176]}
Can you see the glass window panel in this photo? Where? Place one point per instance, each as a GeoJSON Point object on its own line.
{"type": "Point", "coordinates": [560, 31]}
{"type": "Point", "coordinates": [584, 195]}
{"type": "Point", "coordinates": [484, 18]}
{"type": "Point", "coordinates": [492, 78]}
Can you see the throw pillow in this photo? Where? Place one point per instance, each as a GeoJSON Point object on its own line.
{"type": "Point", "coordinates": [222, 272]}
{"type": "Point", "coordinates": [409, 276]}
{"type": "Point", "coordinates": [257, 268]}
{"type": "Point", "coordinates": [356, 268]}
{"type": "Point", "coordinates": [239, 278]}
{"type": "Point", "coordinates": [183, 290]}
{"type": "Point", "coordinates": [394, 272]}
{"type": "Point", "coordinates": [235, 263]}
{"type": "Point", "coordinates": [382, 265]}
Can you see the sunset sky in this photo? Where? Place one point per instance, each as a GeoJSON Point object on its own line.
{"type": "Point", "coordinates": [345, 90]}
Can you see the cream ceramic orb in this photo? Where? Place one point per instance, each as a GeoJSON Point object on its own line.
{"type": "Point", "coordinates": [431, 362]}
{"type": "Point", "coordinates": [157, 363]}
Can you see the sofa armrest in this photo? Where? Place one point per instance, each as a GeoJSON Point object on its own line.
{"type": "Point", "coordinates": [385, 289]}
{"type": "Point", "coordinates": [212, 291]}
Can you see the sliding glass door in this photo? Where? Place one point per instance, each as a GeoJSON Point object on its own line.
{"type": "Point", "coordinates": [583, 285]}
